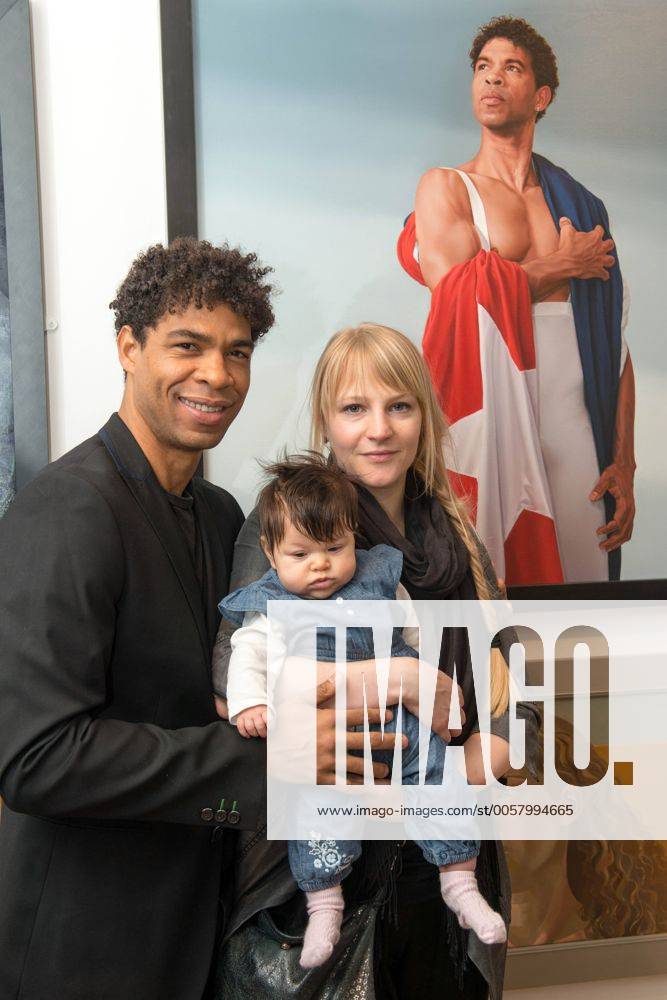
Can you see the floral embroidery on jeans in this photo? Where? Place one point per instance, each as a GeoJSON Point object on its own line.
{"type": "Point", "coordinates": [328, 855]}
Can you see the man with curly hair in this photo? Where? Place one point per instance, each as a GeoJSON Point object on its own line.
{"type": "Point", "coordinates": [545, 447]}
{"type": "Point", "coordinates": [123, 790]}
{"type": "Point", "coordinates": [119, 781]}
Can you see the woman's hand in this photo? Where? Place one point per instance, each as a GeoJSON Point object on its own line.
{"type": "Point", "coordinates": [443, 697]}
{"type": "Point", "coordinates": [499, 762]}
{"type": "Point", "coordinates": [361, 681]}
{"type": "Point", "coordinates": [403, 683]}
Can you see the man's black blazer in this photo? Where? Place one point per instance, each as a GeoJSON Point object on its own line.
{"type": "Point", "coordinates": [118, 779]}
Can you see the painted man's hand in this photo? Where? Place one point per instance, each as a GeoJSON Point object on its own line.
{"type": "Point", "coordinates": [618, 480]}
{"type": "Point", "coordinates": [588, 254]}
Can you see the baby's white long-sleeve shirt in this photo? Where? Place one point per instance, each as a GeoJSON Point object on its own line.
{"type": "Point", "coordinates": [247, 679]}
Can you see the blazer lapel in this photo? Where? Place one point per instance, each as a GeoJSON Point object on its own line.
{"type": "Point", "coordinates": [217, 570]}
{"type": "Point", "coordinates": [137, 473]}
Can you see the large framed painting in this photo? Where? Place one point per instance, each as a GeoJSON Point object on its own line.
{"type": "Point", "coordinates": [23, 405]}
{"type": "Point", "coordinates": [300, 131]}
{"type": "Point", "coordinates": [306, 143]}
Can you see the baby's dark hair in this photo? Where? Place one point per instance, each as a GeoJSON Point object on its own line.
{"type": "Point", "coordinates": [318, 498]}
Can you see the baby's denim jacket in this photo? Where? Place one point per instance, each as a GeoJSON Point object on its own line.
{"type": "Point", "coordinates": [376, 579]}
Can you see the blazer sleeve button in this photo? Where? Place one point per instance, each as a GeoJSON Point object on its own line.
{"type": "Point", "coordinates": [207, 814]}
{"type": "Point", "coordinates": [233, 816]}
{"type": "Point", "coordinates": [220, 815]}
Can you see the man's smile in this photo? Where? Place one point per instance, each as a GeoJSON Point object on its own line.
{"type": "Point", "coordinates": [206, 412]}
{"type": "Point", "coordinates": [204, 405]}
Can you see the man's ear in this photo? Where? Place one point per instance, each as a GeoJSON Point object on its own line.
{"type": "Point", "coordinates": [127, 345]}
{"type": "Point", "coordinates": [267, 551]}
{"type": "Point", "coordinates": [543, 98]}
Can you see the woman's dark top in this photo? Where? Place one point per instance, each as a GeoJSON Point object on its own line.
{"type": "Point", "coordinates": [436, 566]}
{"type": "Point", "coordinates": [443, 573]}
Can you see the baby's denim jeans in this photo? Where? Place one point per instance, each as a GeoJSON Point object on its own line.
{"type": "Point", "coordinates": [320, 864]}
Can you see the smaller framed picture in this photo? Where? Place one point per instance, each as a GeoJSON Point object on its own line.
{"type": "Point", "coordinates": [585, 910]}
{"type": "Point", "coordinates": [7, 459]}
{"type": "Point", "coordinates": [23, 405]}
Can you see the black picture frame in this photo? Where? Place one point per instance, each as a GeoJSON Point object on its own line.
{"type": "Point", "coordinates": [179, 117]}
{"type": "Point", "coordinates": [607, 590]}
{"type": "Point", "coordinates": [24, 251]}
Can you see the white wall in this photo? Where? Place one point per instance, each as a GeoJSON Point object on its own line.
{"type": "Point", "coordinates": [98, 96]}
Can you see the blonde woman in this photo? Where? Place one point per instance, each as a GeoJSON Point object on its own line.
{"type": "Point", "coordinates": [375, 415]}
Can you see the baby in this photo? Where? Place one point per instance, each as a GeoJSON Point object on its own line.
{"type": "Point", "coordinates": [308, 514]}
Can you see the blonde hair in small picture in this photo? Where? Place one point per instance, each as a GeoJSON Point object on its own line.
{"type": "Point", "coordinates": [392, 359]}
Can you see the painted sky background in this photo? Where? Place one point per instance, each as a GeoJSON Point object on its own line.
{"type": "Point", "coordinates": [315, 119]}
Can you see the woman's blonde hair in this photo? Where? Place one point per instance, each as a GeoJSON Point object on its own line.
{"type": "Point", "coordinates": [391, 358]}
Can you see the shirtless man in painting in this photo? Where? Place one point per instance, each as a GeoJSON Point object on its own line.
{"type": "Point", "coordinates": [507, 199]}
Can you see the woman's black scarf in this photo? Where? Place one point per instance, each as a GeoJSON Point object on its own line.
{"type": "Point", "coordinates": [436, 566]}
{"type": "Point", "coordinates": [435, 559]}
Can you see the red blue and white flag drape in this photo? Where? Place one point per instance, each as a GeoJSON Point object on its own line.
{"type": "Point", "coordinates": [479, 347]}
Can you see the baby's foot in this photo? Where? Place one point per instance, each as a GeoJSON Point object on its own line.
{"type": "Point", "coordinates": [325, 915]}
{"type": "Point", "coordinates": [461, 894]}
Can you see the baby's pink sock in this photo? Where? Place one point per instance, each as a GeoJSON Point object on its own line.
{"type": "Point", "coordinates": [325, 915]}
{"type": "Point", "coordinates": [461, 894]}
